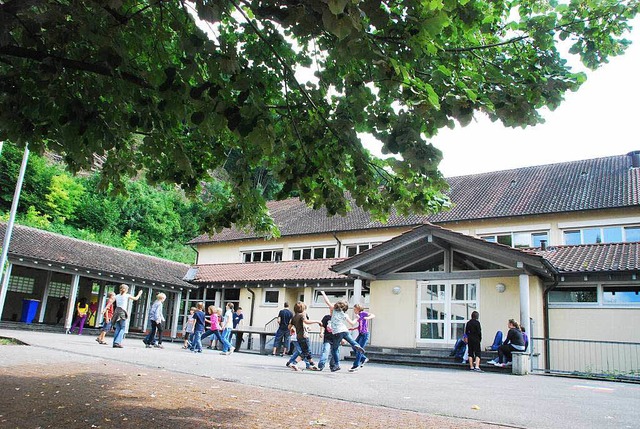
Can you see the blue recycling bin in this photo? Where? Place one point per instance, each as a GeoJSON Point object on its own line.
{"type": "Point", "coordinates": [29, 310]}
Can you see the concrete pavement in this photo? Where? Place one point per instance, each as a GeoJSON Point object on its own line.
{"type": "Point", "coordinates": [531, 401]}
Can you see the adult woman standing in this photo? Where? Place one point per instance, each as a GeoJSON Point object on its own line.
{"type": "Point", "coordinates": [120, 314]}
{"type": "Point", "coordinates": [474, 337]}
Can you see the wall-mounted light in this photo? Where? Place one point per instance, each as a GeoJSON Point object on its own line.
{"type": "Point", "coordinates": [396, 290]}
{"type": "Point", "coordinates": [501, 287]}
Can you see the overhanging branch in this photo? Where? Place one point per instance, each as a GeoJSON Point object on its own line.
{"type": "Point", "coordinates": [41, 57]}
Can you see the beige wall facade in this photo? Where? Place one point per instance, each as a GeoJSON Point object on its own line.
{"type": "Point", "coordinates": [231, 252]}
{"type": "Point", "coordinates": [602, 324]}
{"type": "Point", "coordinates": [554, 223]}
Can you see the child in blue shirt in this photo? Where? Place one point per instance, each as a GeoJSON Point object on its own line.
{"type": "Point", "coordinates": [198, 329]}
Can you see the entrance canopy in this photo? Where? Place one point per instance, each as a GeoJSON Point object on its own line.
{"type": "Point", "coordinates": [436, 251]}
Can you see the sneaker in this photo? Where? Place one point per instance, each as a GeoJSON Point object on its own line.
{"type": "Point", "coordinates": [314, 368]}
{"type": "Point", "coordinates": [508, 364]}
{"type": "Point", "coordinates": [354, 369]}
{"type": "Point", "coordinates": [117, 346]}
{"type": "Point", "coordinates": [365, 361]}
{"type": "Point", "coordinates": [496, 364]}
{"type": "Point", "coordinates": [295, 368]}
{"type": "Point", "coordinates": [472, 369]}
{"type": "Point", "coordinates": [337, 368]}
{"type": "Point", "coordinates": [232, 349]}
{"type": "Point", "coordinates": [477, 370]}
{"type": "Point", "coordinates": [158, 346]}
{"type": "Point", "coordinates": [148, 346]}
{"type": "Point", "coordinates": [493, 362]}
{"type": "Point", "coordinates": [288, 364]}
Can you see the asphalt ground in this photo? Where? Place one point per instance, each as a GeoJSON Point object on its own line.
{"type": "Point", "coordinates": [532, 401]}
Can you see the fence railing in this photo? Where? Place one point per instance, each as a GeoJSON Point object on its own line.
{"type": "Point", "coordinates": [586, 358]}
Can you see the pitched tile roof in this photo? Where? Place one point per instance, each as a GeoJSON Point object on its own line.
{"type": "Point", "coordinates": [591, 184]}
{"type": "Point", "coordinates": [269, 272]}
{"type": "Point", "coordinates": [43, 246]}
{"type": "Point", "coordinates": [594, 257]}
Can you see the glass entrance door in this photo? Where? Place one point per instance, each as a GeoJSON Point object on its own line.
{"type": "Point", "coordinates": [444, 306]}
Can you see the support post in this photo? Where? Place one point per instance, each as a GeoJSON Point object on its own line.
{"type": "Point", "coordinates": [176, 314]}
{"type": "Point", "coordinates": [71, 304]}
{"type": "Point", "coordinates": [4, 287]}
{"type": "Point", "coordinates": [357, 291]}
{"type": "Point", "coordinates": [132, 291]}
{"type": "Point", "coordinates": [102, 300]}
{"type": "Point", "coordinates": [45, 298]}
{"type": "Point", "coordinates": [145, 318]}
{"type": "Point", "coordinates": [525, 309]}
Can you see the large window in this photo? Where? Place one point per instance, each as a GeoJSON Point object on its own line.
{"type": "Point", "coordinates": [595, 295]}
{"type": "Point", "coordinates": [518, 239]}
{"type": "Point", "coordinates": [606, 234]}
{"type": "Point", "coordinates": [444, 309]}
{"type": "Point", "coordinates": [21, 284]}
{"type": "Point", "coordinates": [355, 249]}
{"type": "Point", "coordinates": [58, 289]}
{"type": "Point", "coordinates": [574, 295]}
{"type": "Point", "coordinates": [262, 256]}
{"type": "Point", "coordinates": [313, 253]}
{"type": "Point", "coordinates": [337, 295]}
{"type": "Point", "coordinates": [629, 295]}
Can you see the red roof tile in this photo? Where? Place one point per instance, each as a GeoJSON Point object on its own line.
{"type": "Point", "coordinates": [266, 272]}
{"type": "Point", "coordinates": [594, 257]}
{"type": "Point", "coordinates": [600, 183]}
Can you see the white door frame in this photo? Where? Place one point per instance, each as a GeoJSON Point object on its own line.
{"type": "Point", "coordinates": [443, 309]}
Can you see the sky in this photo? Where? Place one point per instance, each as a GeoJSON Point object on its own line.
{"type": "Point", "coordinates": [601, 119]}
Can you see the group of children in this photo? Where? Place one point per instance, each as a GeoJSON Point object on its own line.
{"type": "Point", "coordinates": [220, 328]}
{"type": "Point", "coordinates": [334, 331]}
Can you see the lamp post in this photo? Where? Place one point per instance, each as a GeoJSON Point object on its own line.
{"type": "Point", "coordinates": [12, 218]}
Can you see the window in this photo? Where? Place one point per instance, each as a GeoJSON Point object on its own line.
{"type": "Point", "coordinates": [574, 295]}
{"type": "Point", "coordinates": [629, 295]}
{"type": "Point", "coordinates": [608, 234]}
{"type": "Point", "coordinates": [262, 256]}
{"type": "Point", "coordinates": [313, 253]}
{"type": "Point", "coordinates": [355, 249]}
{"type": "Point", "coordinates": [336, 295]}
{"type": "Point", "coordinates": [58, 289]}
{"type": "Point", "coordinates": [632, 234]}
{"type": "Point", "coordinates": [572, 237]}
{"type": "Point", "coordinates": [21, 284]}
{"type": "Point", "coordinates": [271, 297]}
{"type": "Point", "coordinates": [518, 239]}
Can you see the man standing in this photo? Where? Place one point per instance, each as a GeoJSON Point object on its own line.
{"type": "Point", "coordinates": [283, 336]}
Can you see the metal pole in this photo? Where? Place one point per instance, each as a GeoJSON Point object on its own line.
{"type": "Point", "coordinates": [14, 209]}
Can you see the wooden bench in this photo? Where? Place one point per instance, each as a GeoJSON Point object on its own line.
{"type": "Point", "coordinates": [262, 332]}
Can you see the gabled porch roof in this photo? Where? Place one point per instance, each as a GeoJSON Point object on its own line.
{"type": "Point", "coordinates": [427, 240]}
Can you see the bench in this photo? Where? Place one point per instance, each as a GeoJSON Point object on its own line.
{"type": "Point", "coordinates": [252, 330]}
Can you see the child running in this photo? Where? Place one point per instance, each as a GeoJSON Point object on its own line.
{"type": "Point", "coordinates": [339, 328]}
{"type": "Point", "coordinates": [188, 328]}
{"type": "Point", "coordinates": [214, 331]}
{"type": "Point", "coordinates": [298, 322]}
{"type": "Point", "coordinates": [198, 329]}
{"type": "Point", "coordinates": [107, 315]}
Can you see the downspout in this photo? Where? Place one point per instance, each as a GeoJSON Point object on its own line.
{"type": "Point", "coordinates": [339, 243]}
{"type": "Point", "coordinates": [545, 312]}
{"type": "Point", "coordinates": [197, 254]}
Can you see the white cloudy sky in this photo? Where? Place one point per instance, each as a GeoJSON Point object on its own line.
{"type": "Point", "coordinates": [601, 119]}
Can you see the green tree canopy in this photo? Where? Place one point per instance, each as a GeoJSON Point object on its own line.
{"type": "Point", "coordinates": [140, 83]}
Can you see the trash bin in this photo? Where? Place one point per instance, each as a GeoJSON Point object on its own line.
{"type": "Point", "coordinates": [29, 310]}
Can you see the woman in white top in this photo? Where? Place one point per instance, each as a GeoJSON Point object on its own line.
{"type": "Point", "coordinates": [120, 314]}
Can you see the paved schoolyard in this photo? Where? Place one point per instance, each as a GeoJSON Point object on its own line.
{"type": "Point", "coordinates": [530, 401]}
